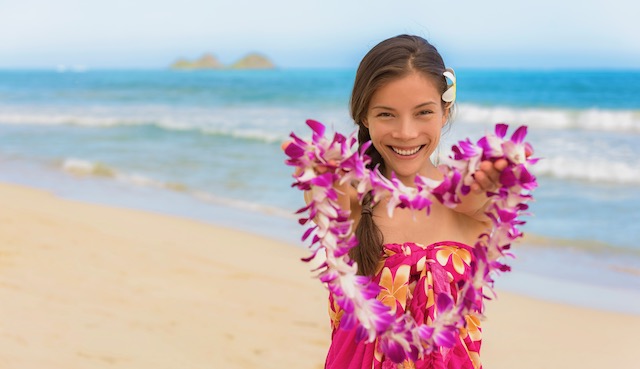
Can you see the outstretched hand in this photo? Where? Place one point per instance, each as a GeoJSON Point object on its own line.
{"type": "Point", "coordinates": [487, 178]}
{"type": "Point", "coordinates": [320, 169]}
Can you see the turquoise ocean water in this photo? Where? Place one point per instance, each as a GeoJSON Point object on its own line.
{"type": "Point", "coordinates": [207, 145]}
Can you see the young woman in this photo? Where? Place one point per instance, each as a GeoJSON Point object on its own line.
{"type": "Point", "coordinates": [401, 101]}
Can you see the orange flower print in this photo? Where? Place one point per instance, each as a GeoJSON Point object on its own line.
{"type": "Point", "coordinates": [335, 314]}
{"type": "Point", "coordinates": [428, 289]}
{"type": "Point", "coordinates": [459, 257]}
{"type": "Point", "coordinates": [469, 335]}
{"type": "Point", "coordinates": [407, 364]}
{"type": "Point", "coordinates": [473, 328]}
{"type": "Point", "coordinates": [394, 289]}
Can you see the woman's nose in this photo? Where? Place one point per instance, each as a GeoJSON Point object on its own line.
{"type": "Point", "coordinates": [406, 129]}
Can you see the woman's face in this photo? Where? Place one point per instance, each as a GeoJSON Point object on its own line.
{"type": "Point", "coordinates": [405, 119]}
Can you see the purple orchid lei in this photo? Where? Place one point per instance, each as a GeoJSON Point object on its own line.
{"type": "Point", "coordinates": [323, 162]}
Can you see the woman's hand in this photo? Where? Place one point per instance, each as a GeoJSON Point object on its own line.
{"type": "Point", "coordinates": [487, 178]}
{"type": "Point", "coordinates": [319, 169]}
{"type": "Point", "coordinates": [347, 196]}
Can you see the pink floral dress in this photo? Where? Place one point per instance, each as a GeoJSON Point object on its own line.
{"type": "Point", "coordinates": [410, 275]}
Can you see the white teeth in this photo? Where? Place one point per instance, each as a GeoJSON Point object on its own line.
{"type": "Point", "coordinates": [406, 152]}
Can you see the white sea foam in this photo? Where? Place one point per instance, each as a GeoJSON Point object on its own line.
{"type": "Point", "coordinates": [250, 134]}
{"type": "Point", "coordinates": [260, 124]}
{"type": "Point", "coordinates": [574, 162]}
{"type": "Point", "coordinates": [584, 119]}
{"type": "Point", "coordinates": [82, 167]}
{"type": "Point", "coordinates": [89, 168]}
{"type": "Point", "coordinates": [594, 170]}
{"type": "Point", "coordinates": [270, 124]}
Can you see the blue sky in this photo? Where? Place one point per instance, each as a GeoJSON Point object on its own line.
{"type": "Point", "coordinates": [315, 33]}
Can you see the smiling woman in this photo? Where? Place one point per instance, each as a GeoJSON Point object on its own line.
{"type": "Point", "coordinates": [400, 102]}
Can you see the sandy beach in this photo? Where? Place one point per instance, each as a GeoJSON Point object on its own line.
{"type": "Point", "coordinates": [91, 286]}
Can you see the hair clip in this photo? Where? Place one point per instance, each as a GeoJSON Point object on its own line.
{"type": "Point", "coordinates": [450, 94]}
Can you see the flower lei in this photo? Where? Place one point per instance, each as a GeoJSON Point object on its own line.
{"type": "Point", "coordinates": [323, 162]}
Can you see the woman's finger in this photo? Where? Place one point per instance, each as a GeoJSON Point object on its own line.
{"type": "Point", "coordinates": [285, 144]}
{"type": "Point", "coordinates": [500, 165]}
{"type": "Point", "coordinates": [487, 177]}
{"type": "Point", "coordinates": [482, 182]}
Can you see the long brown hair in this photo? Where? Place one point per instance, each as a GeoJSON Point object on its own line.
{"type": "Point", "coordinates": [391, 59]}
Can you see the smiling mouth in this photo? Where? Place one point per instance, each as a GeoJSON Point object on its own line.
{"type": "Point", "coordinates": [406, 152]}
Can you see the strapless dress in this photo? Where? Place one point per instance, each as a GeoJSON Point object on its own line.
{"type": "Point", "coordinates": [410, 275]}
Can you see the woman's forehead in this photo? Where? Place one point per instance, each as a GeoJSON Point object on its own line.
{"type": "Point", "coordinates": [412, 89]}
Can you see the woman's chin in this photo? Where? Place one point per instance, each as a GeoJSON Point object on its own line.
{"type": "Point", "coordinates": [405, 173]}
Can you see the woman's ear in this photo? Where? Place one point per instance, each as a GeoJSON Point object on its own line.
{"type": "Point", "coordinates": [447, 112]}
{"type": "Point", "coordinates": [365, 123]}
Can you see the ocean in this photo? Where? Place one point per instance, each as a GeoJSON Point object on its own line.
{"type": "Point", "coordinates": [206, 144]}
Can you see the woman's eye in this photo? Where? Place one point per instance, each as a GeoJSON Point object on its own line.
{"type": "Point", "coordinates": [425, 112]}
{"type": "Point", "coordinates": [384, 115]}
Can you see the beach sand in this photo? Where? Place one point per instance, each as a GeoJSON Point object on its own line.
{"type": "Point", "coordinates": [91, 286]}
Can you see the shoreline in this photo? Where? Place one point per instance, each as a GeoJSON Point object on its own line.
{"type": "Point", "coordinates": [540, 270]}
{"type": "Point", "coordinates": [87, 285]}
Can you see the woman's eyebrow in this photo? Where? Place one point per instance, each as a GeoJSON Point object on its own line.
{"type": "Point", "coordinates": [382, 107]}
{"type": "Point", "coordinates": [425, 104]}
{"type": "Point", "coordinates": [415, 107]}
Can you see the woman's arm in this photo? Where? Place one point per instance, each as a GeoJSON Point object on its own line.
{"type": "Point", "coordinates": [347, 195]}
{"type": "Point", "coordinates": [487, 178]}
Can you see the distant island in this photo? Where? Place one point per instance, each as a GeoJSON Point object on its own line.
{"type": "Point", "coordinates": [208, 61]}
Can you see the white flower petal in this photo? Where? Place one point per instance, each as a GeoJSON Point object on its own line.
{"type": "Point", "coordinates": [449, 95]}
{"type": "Point", "coordinates": [449, 73]}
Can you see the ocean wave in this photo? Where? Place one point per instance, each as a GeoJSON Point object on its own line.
{"type": "Point", "coordinates": [80, 167]}
{"type": "Point", "coordinates": [594, 170]}
{"type": "Point", "coordinates": [272, 124]}
{"type": "Point", "coordinates": [244, 205]}
{"type": "Point", "coordinates": [627, 121]}
{"type": "Point", "coordinates": [264, 125]}
{"type": "Point", "coordinates": [87, 168]}
{"type": "Point", "coordinates": [248, 134]}
{"type": "Point", "coordinates": [253, 134]}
